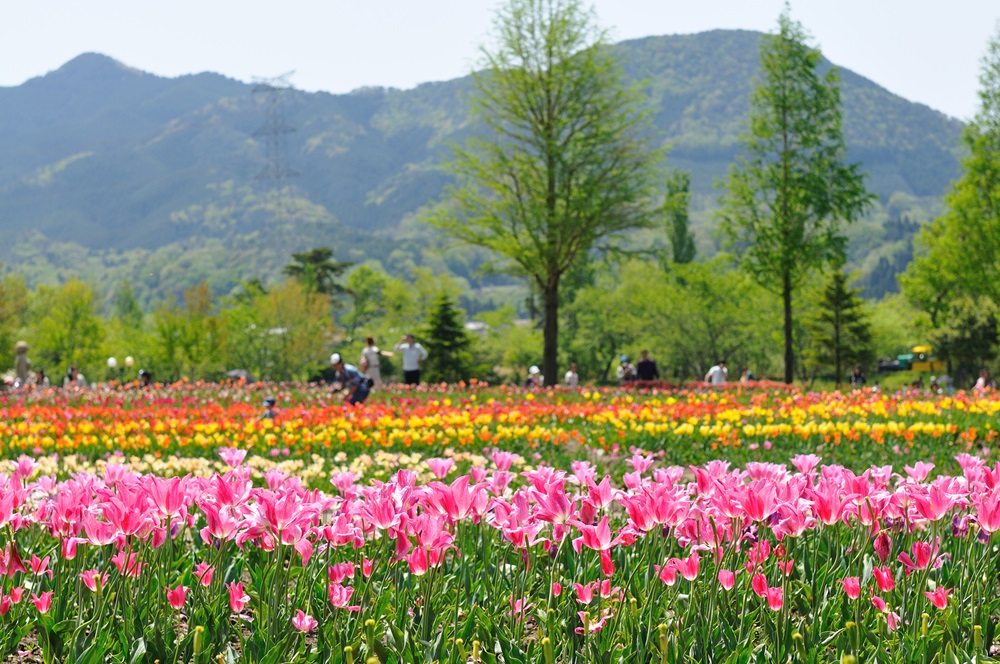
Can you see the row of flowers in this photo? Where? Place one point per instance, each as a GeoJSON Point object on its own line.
{"type": "Point", "coordinates": [508, 562]}
{"type": "Point", "coordinates": [691, 426]}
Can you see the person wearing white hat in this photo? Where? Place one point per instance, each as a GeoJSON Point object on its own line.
{"type": "Point", "coordinates": [348, 377]}
{"type": "Point", "coordinates": [535, 378]}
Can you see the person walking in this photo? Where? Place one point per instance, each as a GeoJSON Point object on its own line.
{"type": "Point", "coordinates": [350, 379]}
{"type": "Point", "coordinates": [646, 369]}
{"type": "Point", "coordinates": [413, 355]}
{"type": "Point", "coordinates": [370, 362]}
{"type": "Point", "coordinates": [717, 374]}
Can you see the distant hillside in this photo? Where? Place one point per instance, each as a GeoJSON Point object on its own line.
{"type": "Point", "coordinates": [112, 172]}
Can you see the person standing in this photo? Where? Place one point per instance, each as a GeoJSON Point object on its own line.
{"type": "Point", "coordinates": [370, 364]}
{"type": "Point", "coordinates": [646, 369]}
{"type": "Point", "coordinates": [572, 378]}
{"type": "Point", "coordinates": [413, 355]}
{"type": "Point", "coordinates": [857, 377]}
{"type": "Point", "coordinates": [349, 378]}
{"type": "Point", "coordinates": [535, 379]}
{"type": "Point", "coordinates": [717, 374]}
{"type": "Point", "coordinates": [626, 371]}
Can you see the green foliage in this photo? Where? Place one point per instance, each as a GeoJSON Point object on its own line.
{"type": "Point", "coordinates": [449, 356]}
{"type": "Point", "coordinates": [839, 331]}
{"type": "Point", "coordinates": [689, 318]}
{"type": "Point", "coordinates": [282, 334]}
{"type": "Point", "coordinates": [563, 163]}
{"type": "Point", "coordinates": [65, 330]}
{"type": "Point", "coordinates": [962, 246]}
{"type": "Point", "coordinates": [678, 225]}
{"type": "Point", "coordinates": [188, 340]}
{"type": "Point", "coordinates": [317, 271]}
{"type": "Point", "coordinates": [789, 192]}
{"type": "Point", "coordinates": [967, 336]}
{"type": "Point", "coordinates": [13, 314]}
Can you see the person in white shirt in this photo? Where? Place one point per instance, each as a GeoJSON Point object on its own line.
{"type": "Point", "coordinates": [717, 375]}
{"type": "Point", "coordinates": [413, 355]}
{"type": "Point", "coordinates": [369, 364]}
{"type": "Point", "coordinates": [572, 378]}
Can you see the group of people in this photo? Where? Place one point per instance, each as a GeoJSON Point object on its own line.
{"type": "Point", "coordinates": [358, 381]}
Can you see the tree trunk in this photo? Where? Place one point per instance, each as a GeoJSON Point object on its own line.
{"type": "Point", "coordinates": [550, 332]}
{"type": "Point", "coordinates": [786, 295]}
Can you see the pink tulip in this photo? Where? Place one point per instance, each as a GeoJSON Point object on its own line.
{"type": "Point", "coordinates": [852, 586]}
{"type": "Point", "coordinates": [232, 457]}
{"type": "Point", "coordinates": [366, 567]}
{"type": "Point", "coordinates": [759, 585]}
{"type": "Point", "coordinates": [775, 599]}
{"type": "Point", "coordinates": [988, 510]}
{"type": "Point", "coordinates": [939, 597]}
{"type": "Point", "coordinates": [304, 622]}
{"type": "Point", "coordinates": [42, 602]}
{"type": "Point", "coordinates": [884, 578]}
{"type": "Point", "coordinates": [607, 565]}
{"type": "Point", "coordinates": [16, 594]}
{"type": "Point", "coordinates": [883, 546]}
{"type": "Point", "coordinates": [921, 557]}
{"type": "Point", "coordinates": [338, 572]}
{"type": "Point", "coordinates": [340, 597]}
{"type": "Point", "coordinates": [668, 573]}
{"type": "Point", "coordinates": [237, 598]}
{"type": "Point", "coordinates": [177, 596]}
{"type": "Point", "coordinates": [556, 589]}
{"type": "Point", "coordinates": [727, 579]}
{"type": "Point", "coordinates": [688, 567]}
{"type": "Point", "coordinates": [93, 579]}
{"type": "Point", "coordinates": [440, 467]}
{"type": "Point", "coordinates": [5, 603]}
{"type": "Point", "coordinates": [204, 573]}
{"type": "Point", "coordinates": [40, 566]}
{"type": "Point", "coordinates": [880, 604]}
{"type": "Point", "coordinates": [584, 593]}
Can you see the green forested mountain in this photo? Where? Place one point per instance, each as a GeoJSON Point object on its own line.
{"type": "Point", "coordinates": [109, 172]}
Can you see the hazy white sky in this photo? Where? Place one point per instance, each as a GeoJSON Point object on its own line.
{"type": "Point", "coordinates": [924, 50]}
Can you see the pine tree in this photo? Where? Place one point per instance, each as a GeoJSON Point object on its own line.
{"type": "Point", "coordinates": [840, 333]}
{"type": "Point", "coordinates": [449, 356]}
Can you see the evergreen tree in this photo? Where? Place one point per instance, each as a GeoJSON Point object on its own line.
{"type": "Point", "coordinates": [678, 225]}
{"type": "Point", "coordinates": [318, 271]}
{"type": "Point", "coordinates": [789, 192]}
{"type": "Point", "coordinates": [839, 332]}
{"type": "Point", "coordinates": [449, 356]}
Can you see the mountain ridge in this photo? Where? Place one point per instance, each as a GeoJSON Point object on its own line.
{"type": "Point", "coordinates": [121, 165]}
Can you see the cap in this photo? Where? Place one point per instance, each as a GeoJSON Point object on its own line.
{"type": "Point", "coordinates": [335, 358]}
{"type": "Point", "coordinates": [269, 401]}
{"type": "Point", "coordinates": [624, 358]}
{"type": "Point", "coordinates": [533, 370]}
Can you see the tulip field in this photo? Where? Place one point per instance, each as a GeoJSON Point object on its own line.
{"type": "Point", "coordinates": [476, 524]}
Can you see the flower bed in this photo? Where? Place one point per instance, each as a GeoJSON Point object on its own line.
{"type": "Point", "coordinates": [509, 562]}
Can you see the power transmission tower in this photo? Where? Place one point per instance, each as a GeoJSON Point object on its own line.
{"type": "Point", "coordinates": [271, 93]}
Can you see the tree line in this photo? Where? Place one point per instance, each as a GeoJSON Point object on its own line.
{"type": "Point", "coordinates": [565, 187]}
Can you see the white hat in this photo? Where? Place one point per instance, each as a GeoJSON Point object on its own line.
{"type": "Point", "coordinates": [335, 358]}
{"type": "Point", "coordinates": [533, 370]}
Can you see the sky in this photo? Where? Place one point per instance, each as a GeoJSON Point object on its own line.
{"type": "Point", "coordinates": [924, 50]}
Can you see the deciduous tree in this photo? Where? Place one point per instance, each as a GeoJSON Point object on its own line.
{"type": "Point", "coordinates": [565, 162]}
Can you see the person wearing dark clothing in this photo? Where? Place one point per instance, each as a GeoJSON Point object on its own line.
{"type": "Point", "coordinates": [857, 378]}
{"type": "Point", "coordinates": [356, 383]}
{"type": "Point", "coordinates": [646, 368]}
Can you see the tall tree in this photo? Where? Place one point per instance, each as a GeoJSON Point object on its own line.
{"type": "Point", "coordinates": [962, 246]}
{"type": "Point", "coordinates": [564, 164]}
{"type": "Point", "coordinates": [678, 225]}
{"type": "Point", "coordinates": [791, 189]}
{"type": "Point", "coordinates": [449, 356]}
{"type": "Point", "coordinates": [317, 270]}
{"type": "Point", "coordinates": [840, 333]}
{"type": "Point", "coordinates": [967, 337]}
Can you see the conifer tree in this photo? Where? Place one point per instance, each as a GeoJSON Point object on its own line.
{"type": "Point", "coordinates": [449, 356]}
{"type": "Point", "coordinates": [678, 225]}
{"type": "Point", "coordinates": [839, 333]}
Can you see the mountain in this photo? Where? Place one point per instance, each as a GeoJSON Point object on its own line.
{"type": "Point", "coordinates": [111, 172]}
